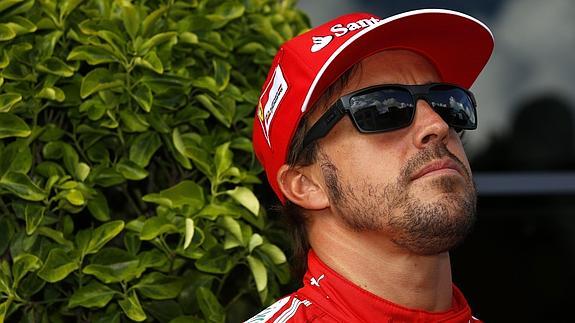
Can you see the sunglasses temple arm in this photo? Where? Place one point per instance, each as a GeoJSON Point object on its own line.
{"type": "Point", "coordinates": [325, 123]}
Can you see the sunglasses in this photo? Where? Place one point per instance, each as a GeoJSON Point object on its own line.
{"type": "Point", "coordinates": [384, 108]}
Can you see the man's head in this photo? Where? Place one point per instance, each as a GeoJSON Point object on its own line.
{"type": "Point", "coordinates": [414, 183]}
{"type": "Point", "coordinates": [410, 178]}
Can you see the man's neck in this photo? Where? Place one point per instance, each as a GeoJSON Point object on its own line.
{"type": "Point", "coordinates": [374, 263]}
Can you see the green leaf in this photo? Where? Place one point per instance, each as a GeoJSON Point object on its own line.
{"type": "Point", "coordinates": [251, 48]}
{"type": "Point", "coordinates": [55, 66]}
{"type": "Point", "coordinates": [255, 241]}
{"type": "Point", "coordinates": [143, 96]}
{"type": "Point", "coordinates": [246, 198]}
{"type": "Point", "coordinates": [144, 147]}
{"type": "Point", "coordinates": [131, 19]}
{"type": "Point", "coordinates": [215, 261]}
{"type": "Point", "coordinates": [106, 176]}
{"type": "Point", "coordinates": [155, 226]}
{"type": "Point", "coordinates": [210, 306]}
{"type": "Point", "coordinates": [188, 37]}
{"type": "Point", "coordinates": [130, 170]}
{"type": "Point", "coordinates": [8, 3]}
{"type": "Point", "coordinates": [178, 142]}
{"type": "Point", "coordinates": [22, 186]}
{"type": "Point", "coordinates": [82, 171]}
{"type": "Point", "coordinates": [150, 61]}
{"type": "Point", "coordinates": [4, 306]}
{"type": "Point", "coordinates": [58, 266]}
{"type": "Point", "coordinates": [132, 308]}
{"type": "Point", "coordinates": [97, 80]}
{"type": "Point", "coordinates": [55, 235]}
{"type": "Point", "coordinates": [216, 109]}
{"type": "Point", "coordinates": [207, 83]}
{"type": "Point", "coordinates": [178, 149]}
{"type": "Point", "coordinates": [212, 211]}
{"type": "Point", "coordinates": [184, 193]}
{"type": "Point", "coordinates": [91, 54]}
{"type": "Point", "coordinates": [133, 122]}
{"type": "Point", "coordinates": [98, 207]}
{"type": "Point", "coordinates": [5, 279]}
{"type": "Point", "coordinates": [30, 285]}
{"type": "Point", "coordinates": [93, 295]}
{"type": "Point", "coordinates": [152, 259]}
{"type": "Point", "coordinates": [75, 197]}
{"type": "Point", "coordinates": [34, 215]}
{"type": "Point", "coordinates": [189, 232]}
{"type": "Point", "coordinates": [8, 100]}
{"type": "Point", "coordinates": [24, 264]}
{"type": "Point", "coordinates": [159, 286]}
{"type": "Point", "coordinates": [6, 33]}
{"type": "Point", "coordinates": [259, 272]}
{"type": "Point", "coordinates": [221, 73]}
{"type": "Point", "coordinates": [232, 226]}
{"type": "Point", "coordinates": [156, 40]}
{"type": "Point", "coordinates": [16, 157]}
{"type": "Point", "coordinates": [114, 265]}
{"type": "Point", "coordinates": [67, 6]}
{"type": "Point", "coordinates": [223, 158]}
{"type": "Point", "coordinates": [52, 93]}
{"type": "Point", "coordinates": [102, 234]}
{"type": "Point", "coordinates": [226, 12]}
{"type": "Point", "coordinates": [276, 254]}
{"type": "Point", "coordinates": [151, 20]}
{"type": "Point", "coordinates": [94, 107]}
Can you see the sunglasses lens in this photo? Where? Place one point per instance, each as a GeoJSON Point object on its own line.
{"type": "Point", "coordinates": [382, 110]}
{"type": "Point", "coordinates": [454, 105]}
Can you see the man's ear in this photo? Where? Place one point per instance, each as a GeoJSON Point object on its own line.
{"type": "Point", "coordinates": [302, 188]}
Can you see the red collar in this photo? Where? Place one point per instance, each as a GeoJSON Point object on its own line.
{"type": "Point", "coordinates": [335, 294]}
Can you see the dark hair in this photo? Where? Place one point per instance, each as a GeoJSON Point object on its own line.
{"type": "Point", "coordinates": [304, 156]}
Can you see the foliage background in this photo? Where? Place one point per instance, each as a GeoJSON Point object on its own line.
{"type": "Point", "coordinates": [126, 168]}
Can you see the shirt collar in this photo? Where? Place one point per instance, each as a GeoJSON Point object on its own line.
{"type": "Point", "coordinates": [355, 302]}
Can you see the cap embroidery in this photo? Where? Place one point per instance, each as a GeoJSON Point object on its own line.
{"type": "Point", "coordinates": [271, 99]}
{"type": "Point", "coordinates": [320, 42]}
{"type": "Point", "coordinates": [338, 30]}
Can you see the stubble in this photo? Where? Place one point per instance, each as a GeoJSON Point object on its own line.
{"type": "Point", "coordinates": [424, 228]}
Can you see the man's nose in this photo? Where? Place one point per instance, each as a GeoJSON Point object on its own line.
{"type": "Point", "coordinates": [428, 125]}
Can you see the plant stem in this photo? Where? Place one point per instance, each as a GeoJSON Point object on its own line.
{"type": "Point", "coordinates": [3, 207]}
{"type": "Point", "coordinates": [235, 299]}
{"type": "Point", "coordinates": [131, 201]}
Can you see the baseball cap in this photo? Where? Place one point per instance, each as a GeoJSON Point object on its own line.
{"type": "Point", "coordinates": [458, 45]}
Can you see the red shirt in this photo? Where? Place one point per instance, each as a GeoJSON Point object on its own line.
{"type": "Point", "coordinates": [328, 297]}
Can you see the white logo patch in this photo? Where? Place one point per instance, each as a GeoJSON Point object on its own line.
{"type": "Point", "coordinates": [338, 30]}
{"type": "Point", "coordinates": [320, 42]}
{"type": "Point", "coordinates": [315, 282]}
{"type": "Point", "coordinates": [271, 99]}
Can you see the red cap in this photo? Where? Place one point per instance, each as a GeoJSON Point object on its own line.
{"type": "Point", "coordinates": [458, 45]}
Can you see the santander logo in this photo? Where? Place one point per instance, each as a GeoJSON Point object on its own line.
{"type": "Point", "coordinates": [320, 42]}
{"type": "Point", "coordinates": [338, 30]}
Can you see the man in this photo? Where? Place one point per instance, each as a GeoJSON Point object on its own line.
{"type": "Point", "coordinates": [358, 129]}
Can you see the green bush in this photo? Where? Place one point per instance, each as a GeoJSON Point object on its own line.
{"type": "Point", "coordinates": [126, 167]}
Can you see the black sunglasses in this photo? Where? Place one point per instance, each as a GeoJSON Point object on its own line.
{"type": "Point", "coordinates": [383, 108]}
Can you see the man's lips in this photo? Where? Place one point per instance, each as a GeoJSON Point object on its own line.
{"type": "Point", "coordinates": [438, 165]}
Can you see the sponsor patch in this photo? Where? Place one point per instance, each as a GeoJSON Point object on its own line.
{"type": "Point", "coordinates": [271, 99]}
{"type": "Point", "coordinates": [338, 30]}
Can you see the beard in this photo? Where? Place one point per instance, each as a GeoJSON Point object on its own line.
{"type": "Point", "coordinates": [421, 227]}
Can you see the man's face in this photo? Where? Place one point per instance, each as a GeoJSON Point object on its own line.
{"type": "Point", "coordinates": [413, 184]}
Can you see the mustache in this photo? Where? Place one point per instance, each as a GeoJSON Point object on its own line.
{"type": "Point", "coordinates": [427, 155]}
